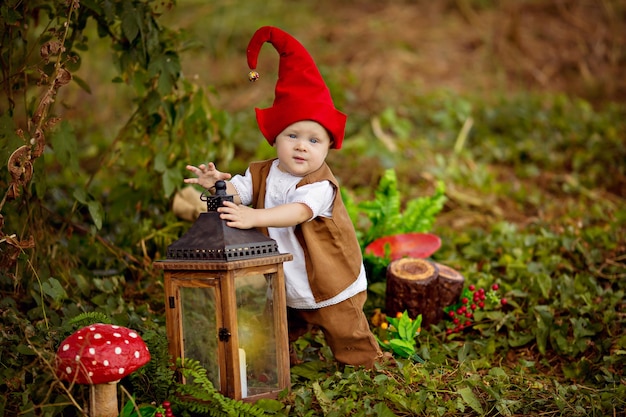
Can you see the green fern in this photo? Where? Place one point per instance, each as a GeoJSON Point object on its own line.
{"type": "Point", "coordinates": [82, 320]}
{"type": "Point", "coordinates": [383, 211]}
{"type": "Point", "coordinates": [200, 397]}
{"type": "Point", "coordinates": [385, 215]}
{"type": "Point", "coordinates": [420, 213]}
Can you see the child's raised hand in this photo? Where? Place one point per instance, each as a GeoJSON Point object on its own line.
{"type": "Point", "coordinates": [237, 216]}
{"type": "Point", "coordinates": [207, 175]}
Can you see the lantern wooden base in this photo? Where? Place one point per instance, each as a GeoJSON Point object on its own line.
{"type": "Point", "coordinates": [223, 277]}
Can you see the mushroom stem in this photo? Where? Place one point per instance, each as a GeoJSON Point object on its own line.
{"type": "Point", "coordinates": [103, 400]}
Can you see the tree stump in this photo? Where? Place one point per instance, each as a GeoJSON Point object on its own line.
{"type": "Point", "coordinates": [412, 286]}
{"type": "Point", "coordinates": [420, 286]}
{"type": "Point", "coordinates": [450, 287]}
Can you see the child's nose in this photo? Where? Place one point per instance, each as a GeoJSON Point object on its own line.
{"type": "Point", "coordinates": [300, 145]}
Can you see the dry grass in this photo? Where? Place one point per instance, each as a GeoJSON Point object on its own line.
{"type": "Point", "coordinates": [376, 51]}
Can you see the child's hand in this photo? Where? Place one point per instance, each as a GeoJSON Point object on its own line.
{"type": "Point", "coordinates": [237, 215]}
{"type": "Point", "coordinates": [207, 175]}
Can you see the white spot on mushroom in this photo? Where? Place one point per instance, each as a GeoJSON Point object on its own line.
{"type": "Point", "coordinates": [68, 370]}
{"type": "Point", "coordinates": [66, 347]}
{"type": "Point", "coordinates": [108, 342]}
{"type": "Point", "coordinates": [137, 354]}
{"type": "Point", "coordinates": [97, 336]}
{"type": "Point", "coordinates": [117, 334]}
{"type": "Point", "coordinates": [94, 363]}
{"type": "Point", "coordinates": [77, 358]}
{"type": "Point", "coordinates": [92, 328]}
{"type": "Point", "coordinates": [121, 371]}
{"type": "Point", "coordinates": [127, 342]}
{"type": "Point", "coordinates": [80, 338]}
{"type": "Point", "coordinates": [118, 350]}
{"type": "Point", "coordinates": [133, 335]}
{"type": "Point", "coordinates": [90, 374]}
{"type": "Point", "coordinates": [105, 363]}
{"type": "Point", "coordinates": [115, 327]}
{"type": "Point", "coordinates": [92, 351]}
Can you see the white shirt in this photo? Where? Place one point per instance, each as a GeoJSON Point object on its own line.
{"type": "Point", "coordinates": [319, 197]}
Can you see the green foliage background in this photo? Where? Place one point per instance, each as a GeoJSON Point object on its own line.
{"type": "Point", "coordinates": [534, 200]}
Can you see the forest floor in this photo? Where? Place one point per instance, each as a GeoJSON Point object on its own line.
{"type": "Point", "coordinates": [577, 47]}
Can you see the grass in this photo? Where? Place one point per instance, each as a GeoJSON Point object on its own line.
{"type": "Point", "coordinates": [535, 186]}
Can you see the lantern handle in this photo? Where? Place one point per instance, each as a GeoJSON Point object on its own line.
{"type": "Point", "coordinates": [215, 200]}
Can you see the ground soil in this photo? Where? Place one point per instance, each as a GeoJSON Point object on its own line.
{"type": "Point", "coordinates": [573, 46]}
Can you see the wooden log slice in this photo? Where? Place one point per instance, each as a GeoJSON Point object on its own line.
{"type": "Point", "coordinates": [412, 286]}
{"type": "Point", "coordinates": [450, 287]}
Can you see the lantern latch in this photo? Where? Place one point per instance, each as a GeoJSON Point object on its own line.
{"type": "Point", "coordinates": [224, 334]}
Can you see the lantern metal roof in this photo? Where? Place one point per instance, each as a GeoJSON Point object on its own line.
{"type": "Point", "coordinates": [211, 239]}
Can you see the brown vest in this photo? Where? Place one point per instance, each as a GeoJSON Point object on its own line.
{"type": "Point", "coordinates": [332, 251]}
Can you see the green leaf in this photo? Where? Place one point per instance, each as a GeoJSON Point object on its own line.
{"type": "Point", "coordinates": [324, 402]}
{"type": "Point", "coordinates": [53, 288]}
{"type": "Point", "coordinates": [382, 410]}
{"type": "Point", "coordinates": [402, 348]}
{"type": "Point", "coordinates": [81, 83]}
{"type": "Point", "coordinates": [471, 400]}
{"type": "Point", "coordinates": [544, 281]}
{"type": "Point", "coordinates": [171, 180]}
{"type": "Point", "coordinates": [97, 213]}
{"type": "Point", "coordinates": [544, 318]}
{"type": "Point", "coordinates": [130, 24]}
{"type": "Point", "coordinates": [64, 145]}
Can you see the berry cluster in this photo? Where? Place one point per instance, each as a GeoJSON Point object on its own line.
{"type": "Point", "coordinates": [461, 315]}
{"type": "Point", "coordinates": [165, 410]}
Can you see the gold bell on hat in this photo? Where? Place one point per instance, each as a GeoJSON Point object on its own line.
{"type": "Point", "coordinates": [253, 76]}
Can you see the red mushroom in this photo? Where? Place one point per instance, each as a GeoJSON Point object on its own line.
{"type": "Point", "coordinates": [100, 355]}
{"type": "Point", "coordinates": [414, 245]}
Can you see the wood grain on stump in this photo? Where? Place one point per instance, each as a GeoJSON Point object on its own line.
{"type": "Point", "coordinates": [411, 286]}
{"type": "Point", "coordinates": [450, 287]}
{"type": "Point", "coordinates": [420, 286]}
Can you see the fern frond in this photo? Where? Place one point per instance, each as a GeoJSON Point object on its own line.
{"type": "Point", "coordinates": [420, 213]}
{"type": "Point", "coordinates": [384, 211]}
{"type": "Point", "coordinates": [200, 396]}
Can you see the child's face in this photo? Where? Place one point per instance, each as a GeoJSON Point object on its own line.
{"type": "Point", "coordinates": [302, 147]}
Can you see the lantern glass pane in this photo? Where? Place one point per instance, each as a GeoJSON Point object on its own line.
{"type": "Point", "coordinates": [257, 336]}
{"type": "Point", "coordinates": [200, 329]}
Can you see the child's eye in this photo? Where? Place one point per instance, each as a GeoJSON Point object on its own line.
{"type": "Point", "coordinates": [313, 140]}
{"type": "Point", "coordinates": [292, 135]}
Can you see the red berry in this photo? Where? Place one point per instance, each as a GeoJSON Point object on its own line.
{"type": "Point", "coordinates": [166, 404]}
{"type": "Point", "coordinates": [464, 300]}
{"type": "Point", "coordinates": [473, 306]}
{"type": "Point", "coordinates": [451, 313]}
{"type": "Point", "coordinates": [503, 301]}
{"type": "Point", "coordinates": [481, 304]}
{"type": "Point", "coordinates": [481, 291]}
{"type": "Point", "coordinates": [472, 287]}
{"type": "Point", "coordinates": [459, 311]}
{"type": "Point", "coordinates": [158, 415]}
{"type": "Point", "coordinates": [468, 323]}
{"type": "Point", "coordinates": [449, 331]}
{"type": "Point", "coordinates": [495, 287]}
{"type": "Point", "coordinates": [468, 314]}
{"type": "Point", "coordinates": [455, 321]}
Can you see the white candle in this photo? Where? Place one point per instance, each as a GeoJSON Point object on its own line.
{"type": "Point", "coordinates": [242, 373]}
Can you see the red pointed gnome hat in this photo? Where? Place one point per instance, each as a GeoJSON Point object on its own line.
{"type": "Point", "coordinates": [300, 93]}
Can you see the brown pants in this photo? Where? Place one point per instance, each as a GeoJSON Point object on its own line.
{"type": "Point", "coordinates": [345, 329]}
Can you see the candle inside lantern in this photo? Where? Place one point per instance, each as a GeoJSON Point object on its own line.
{"type": "Point", "coordinates": [242, 373]}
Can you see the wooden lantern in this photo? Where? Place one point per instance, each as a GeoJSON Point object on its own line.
{"type": "Point", "coordinates": [226, 305]}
